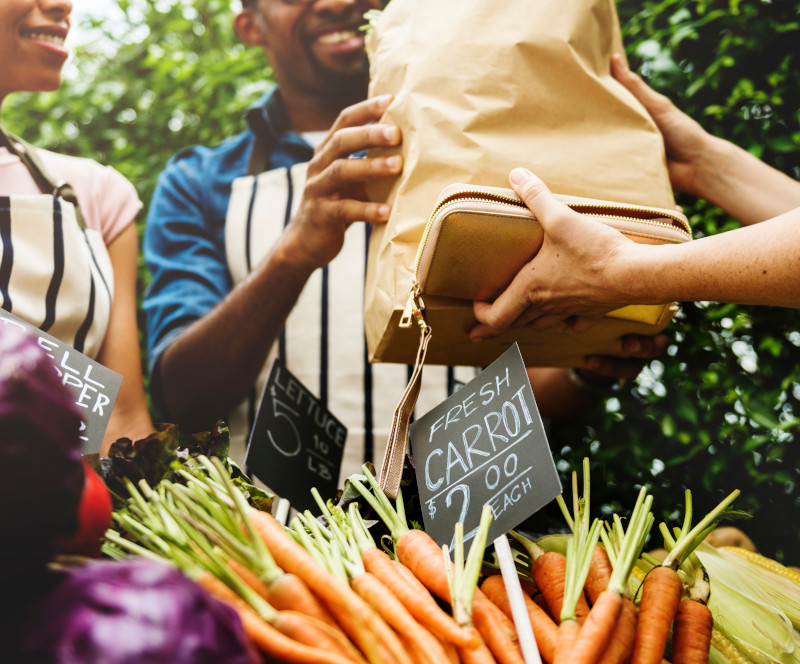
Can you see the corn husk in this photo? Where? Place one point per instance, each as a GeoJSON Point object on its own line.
{"type": "Point", "coordinates": [754, 607]}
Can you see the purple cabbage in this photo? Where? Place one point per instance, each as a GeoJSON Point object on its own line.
{"type": "Point", "coordinates": [41, 473]}
{"type": "Point", "coordinates": [136, 611]}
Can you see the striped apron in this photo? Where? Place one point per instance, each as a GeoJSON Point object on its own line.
{"type": "Point", "coordinates": [323, 341]}
{"type": "Point", "coordinates": [54, 273]}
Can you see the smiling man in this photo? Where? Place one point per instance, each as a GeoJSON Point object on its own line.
{"type": "Point", "coordinates": [257, 247]}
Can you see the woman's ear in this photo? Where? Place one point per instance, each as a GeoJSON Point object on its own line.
{"type": "Point", "coordinates": [249, 27]}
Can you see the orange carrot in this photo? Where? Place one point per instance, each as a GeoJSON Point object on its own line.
{"type": "Point", "coordinates": [313, 632]}
{"type": "Point", "coordinates": [249, 577]}
{"type": "Point", "coordinates": [691, 633]}
{"type": "Point", "coordinates": [476, 654]}
{"type": "Point", "coordinates": [290, 592]}
{"type": "Point", "coordinates": [661, 594]}
{"type": "Point", "coordinates": [539, 600]}
{"type": "Point", "coordinates": [421, 642]}
{"type": "Point", "coordinates": [415, 597]}
{"type": "Point", "coordinates": [620, 643]}
{"type": "Point", "coordinates": [496, 629]}
{"type": "Point", "coordinates": [264, 636]}
{"type": "Point", "coordinates": [417, 551]}
{"type": "Point", "coordinates": [596, 631]}
{"type": "Point", "coordinates": [548, 572]}
{"type": "Point", "coordinates": [452, 650]}
{"type": "Point", "coordinates": [293, 622]}
{"type": "Point", "coordinates": [599, 574]}
{"type": "Point", "coordinates": [544, 629]}
{"type": "Point", "coordinates": [357, 618]}
{"type": "Point", "coordinates": [567, 634]}
{"type": "Point", "coordinates": [285, 593]}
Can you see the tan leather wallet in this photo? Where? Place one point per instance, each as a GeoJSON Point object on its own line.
{"type": "Point", "coordinates": [475, 242]}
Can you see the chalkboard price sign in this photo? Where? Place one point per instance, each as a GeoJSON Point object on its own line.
{"type": "Point", "coordinates": [484, 445]}
{"type": "Point", "coordinates": [93, 385]}
{"type": "Point", "coordinates": [296, 443]}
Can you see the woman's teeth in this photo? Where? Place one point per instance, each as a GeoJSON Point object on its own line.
{"type": "Point", "coordinates": [44, 36]}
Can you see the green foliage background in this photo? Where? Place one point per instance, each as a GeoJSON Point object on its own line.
{"type": "Point", "coordinates": [719, 412]}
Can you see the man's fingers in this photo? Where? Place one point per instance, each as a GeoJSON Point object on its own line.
{"type": "Point", "coordinates": [350, 140]}
{"type": "Point", "coordinates": [545, 322]}
{"type": "Point", "coordinates": [635, 345]}
{"type": "Point", "coordinates": [615, 367]}
{"type": "Point", "coordinates": [361, 113]}
{"type": "Point", "coordinates": [631, 81]}
{"type": "Point", "coordinates": [638, 349]}
{"type": "Point", "coordinates": [348, 211]}
{"type": "Point", "coordinates": [343, 173]}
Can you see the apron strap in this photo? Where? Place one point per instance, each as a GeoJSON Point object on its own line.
{"type": "Point", "coordinates": [257, 163]}
{"type": "Point", "coordinates": [46, 183]}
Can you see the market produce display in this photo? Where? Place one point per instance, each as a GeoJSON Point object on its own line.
{"type": "Point", "coordinates": [82, 611]}
{"type": "Point", "coordinates": [206, 527]}
{"type": "Point", "coordinates": [196, 569]}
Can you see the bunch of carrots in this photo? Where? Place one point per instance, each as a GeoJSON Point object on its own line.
{"type": "Point", "coordinates": [322, 590]}
{"type": "Point", "coordinates": [594, 603]}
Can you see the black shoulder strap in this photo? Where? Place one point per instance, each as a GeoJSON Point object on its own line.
{"type": "Point", "coordinates": [257, 163]}
{"type": "Point", "coordinates": [46, 183]}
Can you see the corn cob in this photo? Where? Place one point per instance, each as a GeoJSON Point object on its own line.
{"type": "Point", "coordinates": [763, 561]}
{"type": "Point", "coordinates": [732, 653]}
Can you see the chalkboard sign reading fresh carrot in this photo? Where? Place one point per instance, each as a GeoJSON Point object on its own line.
{"type": "Point", "coordinates": [296, 443]}
{"type": "Point", "coordinates": [485, 445]}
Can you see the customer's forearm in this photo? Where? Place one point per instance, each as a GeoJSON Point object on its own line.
{"type": "Point", "coordinates": [744, 186]}
{"type": "Point", "coordinates": [754, 265]}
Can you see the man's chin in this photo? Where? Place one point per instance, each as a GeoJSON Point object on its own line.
{"type": "Point", "coordinates": [347, 84]}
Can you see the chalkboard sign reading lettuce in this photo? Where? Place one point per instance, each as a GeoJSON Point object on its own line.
{"type": "Point", "coordinates": [296, 443]}
{"type": "Point", "coordinates": [485, 445]}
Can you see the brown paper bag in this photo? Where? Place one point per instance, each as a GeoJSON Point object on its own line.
{"type": "Point", "coordinates": [479, 88]}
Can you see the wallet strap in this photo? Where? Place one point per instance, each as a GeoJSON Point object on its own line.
{"type": "Point", "coordinates": [395, 455]}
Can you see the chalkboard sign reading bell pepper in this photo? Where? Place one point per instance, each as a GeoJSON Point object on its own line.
{"type": "Point", "coordinates": [95, 386]}
{"type": "Point", "coordinates": [485, 445]}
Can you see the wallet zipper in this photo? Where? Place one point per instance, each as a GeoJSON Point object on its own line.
{"type": "Point", "coordinates": [413, 311]}
{"type": "Point", "coordinates": [415, 304]}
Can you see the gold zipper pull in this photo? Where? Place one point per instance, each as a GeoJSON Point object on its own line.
{"type": "Point", "coordinates": [413, 309]}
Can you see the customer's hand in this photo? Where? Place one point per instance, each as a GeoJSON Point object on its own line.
{"type": "Point", "coordinates": [685, 141]}
{"type": "Point", "coordinates": [334, 196]}
{"type": "Point", "coordinates": [573, 277]}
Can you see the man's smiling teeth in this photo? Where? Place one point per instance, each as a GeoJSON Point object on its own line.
{"type": "Point", "coordinates": [337, 37]}
{"type": "Point", "coordinates": [44, 36]}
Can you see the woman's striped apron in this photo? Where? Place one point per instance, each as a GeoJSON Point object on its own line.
{"type": "Point", "coordinates": [54, 273]}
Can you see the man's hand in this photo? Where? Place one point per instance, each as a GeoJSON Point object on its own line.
{"type": "Point", "coordinates": [638, 350]}
{"type": "Point", "coordinates": [685, 141]}
{"type": "Point", "coordinates": [561, 397]}
{"type": "Point", "coordinates": [334, 195]}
